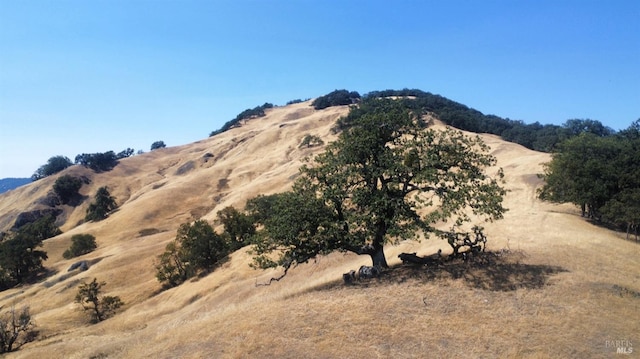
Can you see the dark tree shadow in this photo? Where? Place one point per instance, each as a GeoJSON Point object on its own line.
{"type": "Point", "coordinates": [495, 271]}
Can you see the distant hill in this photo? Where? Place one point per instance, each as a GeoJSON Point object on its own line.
{"type": "Point", "coordinates": [7, 184]}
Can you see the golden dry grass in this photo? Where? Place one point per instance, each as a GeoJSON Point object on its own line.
{"type": "Point", "coordinates": [566, 288]}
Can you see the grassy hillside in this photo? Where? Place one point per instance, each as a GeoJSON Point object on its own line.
{"type": "Point", "coordinates": [560, 288]}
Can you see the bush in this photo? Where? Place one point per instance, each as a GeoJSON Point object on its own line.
{"type": "Point", "coordinates": [80, 244]}
{"type": "Point", "coordinates": [67, 187]}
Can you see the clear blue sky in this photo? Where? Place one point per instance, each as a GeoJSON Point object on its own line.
{"type": "Point", "coordinates": [92, 76]}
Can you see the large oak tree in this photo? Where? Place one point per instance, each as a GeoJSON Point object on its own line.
{"type": "Point", "coordinates": [388, 177]}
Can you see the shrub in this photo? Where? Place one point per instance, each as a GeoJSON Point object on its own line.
{"type": "Point", "coordinates": [80, 244]}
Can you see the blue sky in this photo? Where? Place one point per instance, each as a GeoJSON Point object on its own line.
{"type": "Point", "coordinates": [92, 76]}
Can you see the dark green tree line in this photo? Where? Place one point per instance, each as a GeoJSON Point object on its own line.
{"type": "Point", "coordinates": [600, 173]}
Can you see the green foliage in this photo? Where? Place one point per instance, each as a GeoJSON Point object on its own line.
{"type": "Point", "coordinates": [103, 204]}
{"type": "Point", "coordinates": [67, 187]}
{"type": "Point", "coordinates": [99, 307]}
{"type": "Point", "coordinates": [336, 98]}
{"type": "Point", "coordinates": [80, 244]}
{"type": "Point", "coordinates": [600, 173]}
{"type": "Point", "coordinates": [19, 257]}
{"type": "Point", "coordinates": [54, 165]}
{"type": "Point", "coordinates": [311, 141]}
{"type": "Point", "coordinates": [534, 136]}
{"type": "Point", "coordinates": [157, 145]}
{"type": "Point", "coordinates": [125, 153]}
{"type": "Point", "coordinates": [238, 227]}
{"type": "Point", "coordinates": [257, 111]}
{"type": "Point", "coordinates": [576, 127]}
{"type": "Point", "coordinates": [196, 248]}
{"type": "Point", "coordinates": [99, 162]}
{"type": "Point", "coordinates": [292, 102]}
{"type": "Point", "coordinates": [385, 179]}
{"type": "Point", "coordinates": [16, 329]}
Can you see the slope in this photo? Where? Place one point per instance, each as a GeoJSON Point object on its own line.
{"type": "Point", "coordinates": [564, 289]}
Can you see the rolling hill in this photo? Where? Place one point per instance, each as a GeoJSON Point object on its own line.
{"type": "Point", "coordinates": [7, 184]}
{"type": "Point", "coordinates": [556, 285]}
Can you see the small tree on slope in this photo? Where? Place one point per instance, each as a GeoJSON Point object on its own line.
{"type": "Point", "coordinates": [100, 307]}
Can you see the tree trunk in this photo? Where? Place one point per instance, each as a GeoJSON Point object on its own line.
{"type": "Point", "coordinates": [378, 258]}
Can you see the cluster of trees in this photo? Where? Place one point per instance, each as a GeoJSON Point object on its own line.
{"type": "Point", "coordinates": [197, 248]}
{"type": "Point", "coordinates": [20, 258]}
{"type": "Point", "coordinates": [257, 111]}
{"type": "Point", "coordinates": [534, 136]}
{"type": "Point", "coordinates": [600, 172]}
{"type": "Point", "coordinates": [54, 165]}
{"type": "Point", "coordinates": [387, 178]}
{"type": "Point", "coordinates": [99, 162]}
{"type": "Point", "coordinates": [336, 98]}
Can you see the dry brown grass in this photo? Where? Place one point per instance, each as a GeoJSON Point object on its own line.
{"type": "Point", "coordinates": [565, 289]}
